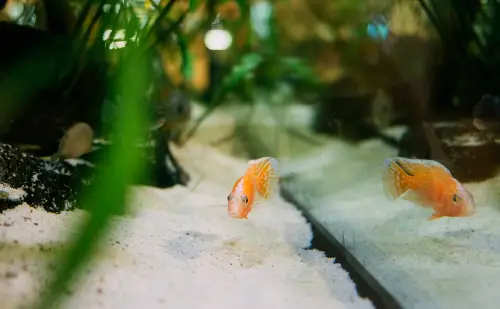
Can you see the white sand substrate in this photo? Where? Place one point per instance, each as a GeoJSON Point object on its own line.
{"type": "Point", "coordinates": [178, 248]}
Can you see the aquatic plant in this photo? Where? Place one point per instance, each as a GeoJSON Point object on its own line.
{"type": "Point", "coordinates": [56, 75]}
{"type": "Point", "coordinates": [257, 60]}
{"type": "Point", "coordinates": [470, 36]}
{"type": "Point", "coordinates": [106, 82]}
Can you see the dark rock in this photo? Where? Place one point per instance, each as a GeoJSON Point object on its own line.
{"type": "Point", "coordinates": [167, 172]}
{"type": "Point", "coordinates": [47, 185]}
{"type": "Point", "coordinates": [343, 111]}
{"type": "Point", "coordinates": [43, 93]}
{"type": "Point", "coordinates": [161, 169]}
{"type": "Point", "coordinates": [470, 154]}
{"type": "Point", "coordinates": [36, 110]}
{"type": "Point", "coordinates": [353, 114]}
{"type": "Point", "coordinates": [474, 153]}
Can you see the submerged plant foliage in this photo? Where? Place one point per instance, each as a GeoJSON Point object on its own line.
{"type": "Point", "coordinates": [260, 64]}
{"type": "Point", "coordinates": [470, 35]}
{"type": "Point", "coordinates": [116, 33]}
{"type": "Point", "coordinates": [130, 80]}
{"type": "Point", "coordinates": [107, 195]}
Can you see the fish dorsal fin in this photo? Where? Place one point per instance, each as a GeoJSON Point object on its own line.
{"type": "Point", "coordinates": [266, 174]}
{"type": "Point", "coordinates": [395, 178]}
{"type": "Point", "coordinates": [432, 163]}
{"type": "Point", "coordinates": [409, 166]}
{"type": "Point", "coordinates": [425, 172]}
{"type": "Point", "coordinates": [406, 168]}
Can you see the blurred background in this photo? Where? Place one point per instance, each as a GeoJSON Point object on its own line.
{"type": "Point", "coordinates": [362, 68]}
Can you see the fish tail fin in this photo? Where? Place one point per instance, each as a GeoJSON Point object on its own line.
{"type": "Point", "coordinates": [266, 174]}
{"type": "Point", "coordinates": [394, 179]}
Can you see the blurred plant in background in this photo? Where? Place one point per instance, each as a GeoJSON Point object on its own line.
{"type": "Point", "coordinates": [469, 34]}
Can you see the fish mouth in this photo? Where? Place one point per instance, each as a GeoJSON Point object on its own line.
{"type": "Point", "coordinates": [236, 215]}
{"type": "Point", "coordinates": [471, 212]}
{"type": "Point", "coordinates": [471, 209]}
{"type": "Point", "coordinates": [468, 212]}
{"type": "Point", "coordinates": [234, 211]}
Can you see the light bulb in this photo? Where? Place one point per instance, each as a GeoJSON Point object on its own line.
{"type": "Point", "coordinates": [218, 39]}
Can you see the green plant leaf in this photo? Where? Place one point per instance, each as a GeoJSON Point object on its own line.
{"type": "Point", "coordinates": [107, 195]}
{"type": "Point", "coordinates": [244, 8]}
{"type": "Point", "coordinates": [163, 14]}
{"type": "Point", "coordinates": [299, 69]}
{"type": "Point", "coordinates": [82, 16]}
{"type": "Point", "coordinates": [186, 66]}
{"type": "Point", "coordinates": [193, 5]}
{"type": "Point", "coordinates": [248, 64]}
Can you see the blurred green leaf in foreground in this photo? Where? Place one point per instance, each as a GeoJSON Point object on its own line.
{"type": "Point", "coordinates": [107, 195]}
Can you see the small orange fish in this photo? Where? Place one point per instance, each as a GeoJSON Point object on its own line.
{"type": "Point", "coordinates": [261, 177]}
{"type": "Point", "coordinates": [429, 184]}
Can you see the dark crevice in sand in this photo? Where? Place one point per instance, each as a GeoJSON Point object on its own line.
{"type": "Point", "coordinates": [366, 284]}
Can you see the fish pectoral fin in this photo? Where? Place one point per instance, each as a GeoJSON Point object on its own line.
{"type": "Point", "coordinates": [435, 216]}
{"type": "Point", "coordinates": [414, 197]}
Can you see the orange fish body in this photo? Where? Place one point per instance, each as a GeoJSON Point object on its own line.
{"type": "Point", "coordinates": [260, 179]}
{"type": "Point", "coordinates": [241, 199]}
{"type": "Point", "coordinates": [429, 184]}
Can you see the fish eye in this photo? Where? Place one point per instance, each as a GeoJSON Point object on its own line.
{"type": "Point", "coordinates": [455, 198]}
{"type": "Point", "coordinates": [245, 199]}
{"type": "Point", "coordinates": [229, 197]}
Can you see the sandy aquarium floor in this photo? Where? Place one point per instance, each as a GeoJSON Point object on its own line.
{"type": "Point", "coordinates": [178, 248]}
{"type": "Point", "coordinates": [441, 264]}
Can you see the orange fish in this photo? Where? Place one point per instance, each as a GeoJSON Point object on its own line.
{"type": "Point", "coordinates": [428, 184]}
{"type": "Point", "coordinates": [260, 180]}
